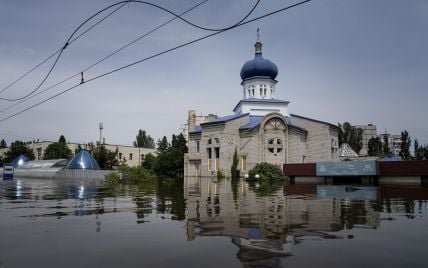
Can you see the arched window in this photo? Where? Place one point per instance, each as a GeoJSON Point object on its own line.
{"type": "Point", "coordinates": [210, 141]}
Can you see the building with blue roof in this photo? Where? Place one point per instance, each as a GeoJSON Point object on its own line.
{"type": "Point", "coordinates": [261, 129]}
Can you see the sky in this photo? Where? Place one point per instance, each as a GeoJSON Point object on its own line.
{"type": "Point", "coordinates": [361, 61]}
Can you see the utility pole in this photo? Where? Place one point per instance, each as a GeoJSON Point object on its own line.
{"type": "Point", "coordinates": [101, 131]}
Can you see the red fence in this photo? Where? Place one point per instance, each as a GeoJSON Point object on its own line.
{"type": "Point", "coordinates": [402, 168]}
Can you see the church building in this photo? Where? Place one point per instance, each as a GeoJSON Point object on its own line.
{"type": "Point", "coordinates": [261, 129]}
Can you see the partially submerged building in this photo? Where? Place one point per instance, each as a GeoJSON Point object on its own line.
{"type": "Point", "coordinates": [261, 129]}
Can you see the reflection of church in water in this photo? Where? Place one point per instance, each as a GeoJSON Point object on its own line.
{"type": "Point", "coordinates": [269, 218]}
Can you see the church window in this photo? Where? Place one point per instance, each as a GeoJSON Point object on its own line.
{"type": "Point", "coordinates": [198, 142]}
{"type": "Point", "coordinates": [120, 156]}
{"type": "Point", "coordinates": [209, 153]}
{"type": "Point", "coordinates": [209, 141]}
{"type": "Point", "coordinates": [265, 92]}
{"type": "Point", "coordinates": [275, 146]}
{"type": "Point", "coordinates": [130, 156]}
{"type": "Point", "coordinates": [244, 162]}
{"type": "Point", "coordinates": [216, 140]}
{"type": "Point", "coordinates": [253, 92]}
{"type": "Point", "coordinates": [261, 94]}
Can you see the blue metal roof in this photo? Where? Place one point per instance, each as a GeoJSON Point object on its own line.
{"type": "Point", "coordinates": [83, 160]}
{"type": "Point", "coordinates": [224, 119]}
{"type": "Point", "coordinates": [314, 120]}
{"type": "Point", "coordinates": [255, 121]}
{"type": "Point", "coordinates": [259, 67]}
{"type": "Point", "coordinates": [254, 100]}
{"type": "Point", "coordinates": [198, 129]}
{"type": "Point", "coordinates": [20, 160]}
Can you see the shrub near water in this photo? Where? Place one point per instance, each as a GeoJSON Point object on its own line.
{"type": "Point", "coordinates": [266, 171]}
{"type": "Point", "coordinates": [129, 175]}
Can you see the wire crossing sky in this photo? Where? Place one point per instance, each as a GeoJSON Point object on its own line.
{"type": "Point", "coordinates": [357, 61]}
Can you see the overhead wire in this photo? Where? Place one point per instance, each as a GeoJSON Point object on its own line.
{"type": "Point", "coordinates": [51, 56]}
{"type": "Point", "coordinates": [153, 56]}
{"type": "Point", "coordinates": [122, 3]}
{"type": "Point", "coordinates": [104, 58]}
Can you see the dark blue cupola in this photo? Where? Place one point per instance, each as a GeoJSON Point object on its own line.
{"type": "Point", "coordinates": [259, 66]}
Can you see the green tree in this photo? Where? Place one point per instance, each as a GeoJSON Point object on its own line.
{"type": "Point", "coordinates": [386, 150]}
{"type": "Point", "coordinates": [62, 139]}
{"type": "Point", "coordinates": [3, 144]}
{"type": "Point", "coordinates": [234, 168]}
{"type": "Point", "coordinates": [375, 147]}
{"type": "Point", "coordinates": [149, 161]}
{"type": "Point", "coordinates": [143, 140]}
{"type": "Point", "coordinates": [106, 159]}
{"type": "Point", "coordinates": [405, 145]}
{"type": "Point", "coordinates": [170, 159]}
{"type": "Point", "coordinates": [58, 150]}
{"type": "Point", "coordinates": [16, 149]}
{"type": "Point", "coordinates": [351, 135]}
{"type": "Point", "coordinates": [163, 145]}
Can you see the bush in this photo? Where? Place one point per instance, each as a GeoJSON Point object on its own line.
{"type": "Point", "coordinates": [266, 171]}
{"type": "Point", "coordinates": [129, 175]}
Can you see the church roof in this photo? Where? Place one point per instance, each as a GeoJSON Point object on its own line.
{"type": "Point", "coordinates": [255, 121]}
{"type": "Point", "coordinates": [224, 119]}
{"type": "Point", "coordinates": [254, 100]}
{"type": "Point", "coordinates": [259, 66]}
{"type": "Point", "coordinates": [315, 120]}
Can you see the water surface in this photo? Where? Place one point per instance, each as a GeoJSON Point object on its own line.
{"type": "Point", "coordinates": [203, 223]}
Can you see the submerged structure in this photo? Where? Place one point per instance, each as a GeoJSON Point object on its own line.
{"type": "Point", "coordinates": [83, 160]}
{"type": "Point", "coordinates": [20, 160]}
{"type": "Point", "coordinates": [261, 129]}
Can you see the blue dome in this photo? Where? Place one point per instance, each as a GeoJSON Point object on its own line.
{"type": "Point", "coordinates": [20, 160]}
{"type": "Point", "coordinates": [259, 66]}
{"type": "Point", "coordinates": [83, 160]}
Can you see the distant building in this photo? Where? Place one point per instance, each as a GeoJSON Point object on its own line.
{"type": "Point", "coordinates": [369, 132]}
{"type": "Point", "coordinates": [394, 142]}
{"type": "Point", "coordinates": [261, 129]}
{"type": "Point", "coordinates": [132, 156]}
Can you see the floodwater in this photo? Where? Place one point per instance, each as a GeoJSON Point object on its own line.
{"type": "Point", "coordinates": [203, 223]}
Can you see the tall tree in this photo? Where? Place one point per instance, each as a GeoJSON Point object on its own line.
{"type": "Point", "coordinates": [106, 159]}
{"type": "Point", "coordinates": [170, 159]}
{"type": "Point", "coordinates": [405, 145]}
{"type": "Point", "coordinates": [62, 139]}
{"type": "Point", "coordinates": [375, 147]}
{"type": "Point", "coordinates": [58, 150]}
{"type": "Point", "coordinates": [386, 150]}
{"type": "Point", "coordinates": [144, 140]}
{"type": "Point", "coordinates": [3, 144]}
{"type": "Point", "coordinates": [16, 149]}
{"type": "Point", "coordinates": [163, 145]}
{"type": "Point", "coordinates": [351, 135]}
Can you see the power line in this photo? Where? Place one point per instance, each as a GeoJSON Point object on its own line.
{"type": "Point", "coordinates": [153, 56]}
{"type": "Point", "coordinates": [122, 3]}
{"type": "Point", "coordinates": [103, 59]}
{"type": "Point", "coordinates": [51, 56]}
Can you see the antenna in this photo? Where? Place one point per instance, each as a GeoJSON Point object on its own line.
{"type": "Point", "coordinates": [101, 126]}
